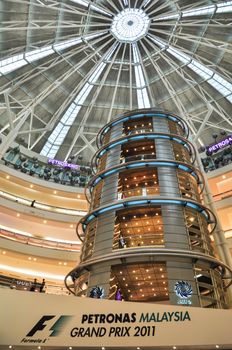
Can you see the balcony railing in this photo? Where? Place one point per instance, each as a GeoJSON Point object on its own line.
{"type": "Point", "coordinates": [39, 242]}
{"type": "Point", "coordinates": [41, 206]}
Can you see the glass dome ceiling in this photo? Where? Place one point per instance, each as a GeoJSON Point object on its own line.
{"type": "Point", "coordinates": [67, 67]}
{"type": "Point", "coordinates": [130, 25]}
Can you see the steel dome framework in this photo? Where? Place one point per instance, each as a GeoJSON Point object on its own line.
{"type": "Point", "coordinates": [64, 73]}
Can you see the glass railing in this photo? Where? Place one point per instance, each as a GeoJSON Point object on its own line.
{"type": "Point", "coordinates": [41, 206]}
{"type": "Point", "coordinates": [25, 285]}
{"type": "Point", "coordinates": [133, 241]}
{"type": "Point", "coordinates": [39, 242]}
{"type": "Point", "coordinates": [223, 195]}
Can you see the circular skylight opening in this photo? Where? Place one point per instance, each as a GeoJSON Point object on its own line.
{"type": "Point", "coordinates": [130, 25]}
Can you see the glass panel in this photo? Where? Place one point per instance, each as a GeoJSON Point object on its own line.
{"type": "Point", "coordinates": [140, 282]}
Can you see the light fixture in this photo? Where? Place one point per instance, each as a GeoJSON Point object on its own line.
{"type": "Point", "coordinates": [31, 186]}
{"type": "Point", "coordinates": [55, 192]}
{"type": "Point", "coordinates": [70, 348]}
{"type": "Point", "coordinates": [217, 346]}
{"type": "Point", "coordinates": [7, 177]}
{"type": "Point", "coordinates": [18, 215]}
{"type": "Point", "coordinates": [174, 347]}
{"type": "Point", "coordinates": [44, 221]}
{"type": "Point", "coordinates": [10, 346]}
{"type": "Point", "coordinates": [71, 226]}
{"type": "Point", "coordinates": [103, 348]}
{"type": "Point", "coordinates": [4, 252]}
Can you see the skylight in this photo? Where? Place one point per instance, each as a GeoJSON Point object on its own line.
{"type": "Point", "coordinates": [142, 95]}
{"type": "Point", "coordinates": [58, 135]}
{"type": "Point", "coordinates": [206, 10]}
{"type": "Point", "coordinates": [130, 25]}
{"type": "Point", "coordinates": [222, 7]}
{"type": "Point", "coordinates": [92, 6]}
{"type": "Point", "coordinates": [17, 61]}
{"type": "Point", "coordinates": [219, 83]}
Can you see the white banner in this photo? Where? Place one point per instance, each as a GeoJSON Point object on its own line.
{"type": "Point", "coordinates": [51, 320]}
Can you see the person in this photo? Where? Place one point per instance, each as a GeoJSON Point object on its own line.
{"type": "Point", "coordinates": [121, 242]}
{"type": "Point", "coordinates": [33, 286]}
{"type": "Point", "coordinates": [33, 203]}
{"type": "Point", "coordinates": [118, 294]}
{"type": "Point", "coordinates": [42, 286]}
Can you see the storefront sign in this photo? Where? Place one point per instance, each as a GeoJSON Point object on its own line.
{"type": "Point", "coordinates": [63, 164]}
{"type": "Point", "coordinates": [219, 145]}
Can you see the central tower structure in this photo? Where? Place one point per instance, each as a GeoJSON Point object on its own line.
{"type": "Point", "coordinates": [147, 234]}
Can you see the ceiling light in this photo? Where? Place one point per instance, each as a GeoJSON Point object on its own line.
{"type": "Point", "coordinates": [18, 215]}
{"type": "Point", "coordinates": [4, 252]}
{"type": "Point", "coordinates": [7, 177]}
{"type": "Point", "coordinates": [55, 192]}
{"type": "Point", "coordinates": [174, 347]}
{"type": "Point", "coordinates": [31, 186]}
{"type": "Point", "coordinates": [45, 221]}
{"type": "Point", "coordinates": [70, 348]}
{"type": "Point", "coordinates": [217, 346]}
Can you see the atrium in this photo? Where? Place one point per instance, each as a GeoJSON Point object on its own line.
{"type": "Point", "coordinates": [68, 70]}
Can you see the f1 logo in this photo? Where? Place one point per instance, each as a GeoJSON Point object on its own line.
{"type": "Point", "coordinates": [56, 327]}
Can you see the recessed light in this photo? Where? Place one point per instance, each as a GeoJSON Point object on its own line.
{"type": "Point", "coordinates": [138, 348]}
{"type": "Point", "coordinates": [55, 192]}
{"type": "Point", "coordinates": [65, 263]}
{"type": "Point", "coordinates": [217, 346]}
{"type": "Point", "coordinates": [224, 176]}
{"type": "Point", "coordinates": [4, 252]}
{"type": "Point", "coordinates": [39, 347]}
{"type": "Point", "coordinates": [7, 177]}
{"type": "Point", "coordinates": [45, 221]}
{"type": "Point", "coordinates": [78, 196]}
{"type": "Point", "coordinates": [103, 348]}
{"type": "Point", "coordinates": [70, 348]}
{"type": "Point", "coordinates": [18, 215]}
{"type": "Point", "coordinates": [10, 346]}
{"type": "Point", "coordinates": [174, 347]}
{"type": "Point", "coordinates": [71, 225]}
{"type": "Point", "coordinates": [29, 258]}
{"type": "Point", "coordinates": [31, 186]}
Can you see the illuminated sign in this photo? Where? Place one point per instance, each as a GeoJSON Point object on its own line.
{"type": "Point", "coordinates": [63, 164]}
{"type": "Point", "coordinates": [219, 145]}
